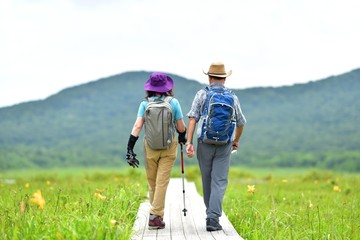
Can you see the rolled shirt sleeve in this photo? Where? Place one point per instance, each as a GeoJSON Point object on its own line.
{"type": "Point", "coordinates": [240, 118]}
{"type": "Point", "coordinates": [195, 110]}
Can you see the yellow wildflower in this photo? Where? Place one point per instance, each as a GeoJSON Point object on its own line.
{"type": "Point", "coordinates": [48, 182]}
{"type": "Point", "coordinates": [27, 185]}
{"type": "Point", "coordinates": [336, 188]}
{"type": "Point", "coordinates": [99, 196]}
{"type": "Point", "coordinates": [113, 222]}
{"type": "Point", "coordinates": [284, 180]}
{"type": "Point", "coordinates": [38, 199]}
{"type": "Point", "coordinates": [251, 188]}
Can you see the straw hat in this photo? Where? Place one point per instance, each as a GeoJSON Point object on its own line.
{"type": "Point", "coordinates": [217, 69]}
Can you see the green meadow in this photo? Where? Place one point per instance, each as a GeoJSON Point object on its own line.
{"type": "Point", "coordinates": [102, 204]}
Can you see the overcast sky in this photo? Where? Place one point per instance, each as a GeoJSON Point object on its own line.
{"type": "Point", "coordinates": [49, 45]}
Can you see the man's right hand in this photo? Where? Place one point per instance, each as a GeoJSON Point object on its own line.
{"type": "Point", "coordinates": [131, 158]}
{"type": "Point", "coordinates": [190, 151]}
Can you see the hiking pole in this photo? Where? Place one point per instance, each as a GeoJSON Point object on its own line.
{"type": "Point", "coordinates": [182, 173]}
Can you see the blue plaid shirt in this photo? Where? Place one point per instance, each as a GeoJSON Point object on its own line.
{"type": "Point", "coordinates": [199, 99]}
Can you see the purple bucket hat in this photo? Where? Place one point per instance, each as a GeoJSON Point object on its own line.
{"type": "Point", "coordinates": [159, 82]}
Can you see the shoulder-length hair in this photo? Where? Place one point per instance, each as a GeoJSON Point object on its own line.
{"type": "Point", "coordinates": [152, 93]}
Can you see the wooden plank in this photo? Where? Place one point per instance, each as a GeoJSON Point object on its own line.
{"type": "Point", "coordinates": [192, 226]}
{"type": "Point", "coordinates": [141, 221]}
{"type": "Point", "coordinates": [182, 224]}
{"type": "Point", "coordinates": [175, 212]}
{"type": "Point", "coordinates": [195, 215]}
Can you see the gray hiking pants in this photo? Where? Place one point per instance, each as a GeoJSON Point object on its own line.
{"type": "Point", "coordinates": [214, 163]}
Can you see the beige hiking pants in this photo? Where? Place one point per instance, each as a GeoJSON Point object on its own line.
{"type": "Point", "coordinates": [158, 165]}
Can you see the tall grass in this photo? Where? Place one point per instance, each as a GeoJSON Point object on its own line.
{"type": "Point", "coordinates": [102, 204]}
{"type": "Point", "coordinates": [314, 205]}
{"type": "Point", "coordinates": [78, 204]}
{"type": "Point", "coordinates": [291, 203]}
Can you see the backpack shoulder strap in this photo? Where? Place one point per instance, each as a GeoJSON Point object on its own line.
{"type": "Point", "coordinates": [229, 91]}
{"type": "Point", "coordinates": [168, 99]}
{"type": "Point", "coordinates": [204, 106]}
{"type": "Point", "coordinates": [149, 100]}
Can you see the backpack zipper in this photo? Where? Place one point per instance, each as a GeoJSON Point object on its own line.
{"type": "Point", "coordinates": [162, 126]}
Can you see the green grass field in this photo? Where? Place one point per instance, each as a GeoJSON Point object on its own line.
{"type": "Point", "coordinates": [102, 204]}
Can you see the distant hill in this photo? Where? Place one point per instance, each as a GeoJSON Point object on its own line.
{"type": "Point", "coordinates": [304, 125]}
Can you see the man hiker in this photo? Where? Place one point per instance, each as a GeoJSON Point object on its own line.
{"type": "Point", "coordinates": [220, 121]}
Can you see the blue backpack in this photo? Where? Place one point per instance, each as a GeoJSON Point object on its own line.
{"type": "Point", "coordinates": [217, 122]}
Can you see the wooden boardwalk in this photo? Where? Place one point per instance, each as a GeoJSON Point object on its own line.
{"type": "Point", "coordinates": [180, 227]}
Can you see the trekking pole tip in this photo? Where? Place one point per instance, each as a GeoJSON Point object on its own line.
{"type": "Point", "coordinates": [184, 210]}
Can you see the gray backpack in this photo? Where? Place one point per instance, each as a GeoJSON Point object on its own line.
{"type": "Point", "coordinates": [159, 126]}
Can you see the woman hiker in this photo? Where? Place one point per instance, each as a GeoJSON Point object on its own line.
{"type": "Point", "coordinates": [159, 160]}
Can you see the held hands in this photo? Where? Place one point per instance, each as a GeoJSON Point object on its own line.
{"type": "Point", "coordinates": [131, 158]}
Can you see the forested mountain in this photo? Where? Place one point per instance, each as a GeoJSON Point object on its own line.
{"type": "Point", "coordinates": [304, 125]}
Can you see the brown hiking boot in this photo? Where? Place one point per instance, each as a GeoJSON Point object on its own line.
{"type": "Point", "coordinates": [156, 222]}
